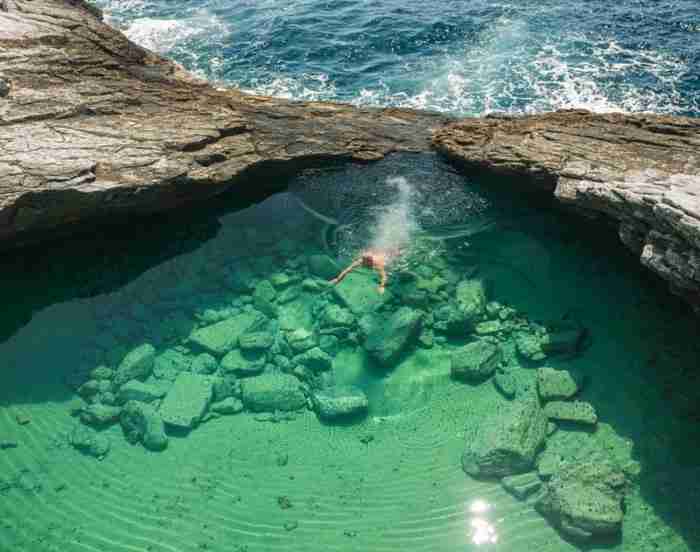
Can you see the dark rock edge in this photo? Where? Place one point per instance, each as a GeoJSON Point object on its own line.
{"type": "Point", "coordinates": [93, 127]}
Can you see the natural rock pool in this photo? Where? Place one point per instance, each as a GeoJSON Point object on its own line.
{"type": "Point", "coordinates": [194, 382]}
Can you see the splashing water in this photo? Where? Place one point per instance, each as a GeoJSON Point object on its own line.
{"type": "Point", "coordinates": [396, 224]}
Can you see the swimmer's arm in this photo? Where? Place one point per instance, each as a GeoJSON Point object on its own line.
{"type": "Point", "coordinates": [348, 270]}
{"type": "Point", "coordinates": [382, 279]}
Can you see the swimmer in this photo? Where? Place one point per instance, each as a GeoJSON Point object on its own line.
{"type": "Point", "coordinates": [376, 260]}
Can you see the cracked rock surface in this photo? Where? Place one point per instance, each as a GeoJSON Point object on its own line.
{"type": "Point", "coordinates": [93, 126]}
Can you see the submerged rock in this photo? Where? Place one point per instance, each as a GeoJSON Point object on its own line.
{"type": "Point", "coordinates": [339, 401]}
{"type": "Point", "coordinates": [506, 442]}
{"type": "Point", "coordinates": [584, 499]}
{"type": "Point", "coordinates": [476, 361]}
{"type": "Point", "coordinates": [315, 359]}
{"type": "Point", "coordinates": [336, 320]}
{"type": "Point", "coordinates": [223, 336]}
{"type": "Point", "coordinates": [89, 441]}
{"type": "Point", "coordinates": [187, 401]}
{"type": "Point", "coordinates": [229, 405]}
{"type": "Point", "coordinates": [301, 340]}
{"type": "Point", "coordinates": [575, 411]}
{"type": "Point", "coordinates": [243, 363]}
{"type": "Point", "coordinates": [271, 392]}
{"type": "Point", "coordinates": [322, 266]}
{"type": "Point", "coordinates": [523, 485]}
{"type": "Point", "coordinates": [137, 364]}
{"type": "Point", "coordinates": [506, 384]}
{"type": "Point", "coordinates": [470, 296]}
{"type": "Point", "coordinates": [142, 423]}
{"type": "Point", "coordinates": [256, 341]}
{"type": "Point", "coordinates": [555, 384]}
{"type": "Point", "coordinates": [204, 363]}
{"type": "Point", "coordinates": [98, 414]}
{"type": "Point", "coordinates": [388, 339]}
{"type": "Point", "coordinates": [136, 390]}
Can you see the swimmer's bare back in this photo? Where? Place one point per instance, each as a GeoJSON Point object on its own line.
{"type": "Point", "coordinates": [370, 259]}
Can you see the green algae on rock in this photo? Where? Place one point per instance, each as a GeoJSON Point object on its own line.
{"type": "Point", "coordinates": [585, 499]}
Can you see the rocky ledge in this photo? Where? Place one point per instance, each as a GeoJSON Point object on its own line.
{"type": "Point", "coordinates": [93, 126]}
{"type": "Point", "coordinates": [642, 171]}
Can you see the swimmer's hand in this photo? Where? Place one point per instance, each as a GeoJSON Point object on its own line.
{"type": "Point", "coordinates": [381, 289]}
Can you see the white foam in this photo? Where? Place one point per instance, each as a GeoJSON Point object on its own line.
{"type": "Point", "coordinates": [309, 87]}
{"type": "Point", "coordinates": [159, 35]}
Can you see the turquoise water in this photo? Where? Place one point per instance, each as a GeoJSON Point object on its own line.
{"type": "Point", "coordinates": [453, 56]}
{"type": "Point", "coordinates": [255, 476]}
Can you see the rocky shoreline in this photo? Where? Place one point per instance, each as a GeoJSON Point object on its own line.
{"type": "Point", "coordinates": [93, 127]}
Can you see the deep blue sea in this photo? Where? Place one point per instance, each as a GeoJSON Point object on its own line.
{"type": "Point", "coordinates": [457, 56]}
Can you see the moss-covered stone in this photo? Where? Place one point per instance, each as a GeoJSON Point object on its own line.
{"type": "Point", "coordinates": [99, 414]}
{"type": "Point", "coordinates": [243, 363]}
{"type": "Point", "coordinates": [256, 341]}
{"type": "Point", "coordinates": [204, 363]}
{"type": "Point", "coordinates": [556, 384]}
{"type": "Point", "coordinates": [220, 338]}
{"type": "Point", "coordinates": [137, 364]}
{"type": "Point", "coordinates": [337, 402]}
{"type": "Point", "coordinates": [315, 359]}
{"type": "Point", "coordinates": [89, 441]}
{"type": "Point", "coordinates": [141, 423]}
{"type": "Point", "coordinates": [470, 297]}
{"type": "Point", "coordinates": [585, 499]}
{"type": "Point", "coordinates": [475, 362]}
{"type": "Point", "coordinates": [228, 406]}
{"type": "Point", "coordinates": [301, 340]}
{"type": "Point", "coordinates": [506, 442]}
{"type": "Point", "coordinates": [271, 392]}
{"type": "Point", "coordinates": [574, 411]}
{"type": "Point", "coordinates": [506, 384]}
{"type": "Point", "coordinates": [388, 339]}
{"type": "Point", "coordinates": [187, 401]}
{"type": "Point", "coordinates": [136, 390]}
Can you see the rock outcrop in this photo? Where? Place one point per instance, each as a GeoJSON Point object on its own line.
{"type": "Point", "coordinates": [642, 171]}
{"type": "Point", "coordinates": [94, 127]}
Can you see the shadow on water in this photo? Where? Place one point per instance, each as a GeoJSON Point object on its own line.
{"type": "Point", "coordinates": [109, 257]}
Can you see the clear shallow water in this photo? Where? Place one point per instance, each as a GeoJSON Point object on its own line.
{"type": "Point", "coordinates": [453, 56]}
{"type": "Point", "coordinates": [391, 480]}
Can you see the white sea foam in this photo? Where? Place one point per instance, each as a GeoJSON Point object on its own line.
{"type": "Point", "coordinates": [515, 70]}
{"type": "Point", "coordinates": [309, 87]}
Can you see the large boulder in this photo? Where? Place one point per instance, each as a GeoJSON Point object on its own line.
{"type": "Point", "coordinates": [506, 443]}
{"type": "Point", "coordinates": [142, 423]}
{"type": "Point", "coordinates": [388, 339]}
{"type": "Point", "coordinates": [220, 338]}
{"type": "Point", "coordinates": [188, 400]}
{"type": "Point", "coordinates": [584, 499]}
{"type": "Point", "coordinates": [556, 384]}
{"type": "Point", "coordinates": [271, 392]}
{"type": "Point", "coordinates": [137, 364]}
{"type": "Point", "coordinates": [476, 361]}
{"type": "Point", "coordinates": [337, 402]}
